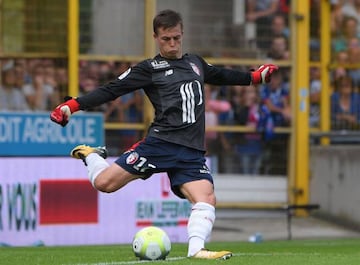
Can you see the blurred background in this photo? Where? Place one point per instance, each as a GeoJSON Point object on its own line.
{"type": "Point", "coordinates": [292, 141]}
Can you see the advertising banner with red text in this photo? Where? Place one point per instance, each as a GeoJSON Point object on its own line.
{"type": "Point", "coordinates": [49, 200]}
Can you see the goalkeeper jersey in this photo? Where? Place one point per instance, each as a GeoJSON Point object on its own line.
{"type": "Point", "coordinates": [175, 87]}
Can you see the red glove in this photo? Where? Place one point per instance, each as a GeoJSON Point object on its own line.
{"type": "Point", "coordinates": [61, 114]}
{"type": "Point", "coordinates": [263, 74]}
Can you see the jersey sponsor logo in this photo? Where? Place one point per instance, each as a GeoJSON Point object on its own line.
{"type": "Point", "coordinates": [124, 74]}
{"type": "Point", "coordinates": [195, 68]}
{"type": "Point", "coordinates": [188, 92]}
{"type": "Point", "coordinates": [132, 158]}
{"type": "Point", "coordinates": [169, 72]}
{"type": "Point", "coordinates": [160, 64]}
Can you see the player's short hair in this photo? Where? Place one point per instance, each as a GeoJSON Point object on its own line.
{"type": "Point", "coordinates": [167, 19]}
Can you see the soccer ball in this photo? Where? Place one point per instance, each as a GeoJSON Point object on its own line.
{"type": "Point", "coordinates": [151, 243]}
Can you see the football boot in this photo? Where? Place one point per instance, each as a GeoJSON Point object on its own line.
{"type": "Point", "coordinates": [207, 254]}
{"type": "Point", "coordinates": [82, 151]}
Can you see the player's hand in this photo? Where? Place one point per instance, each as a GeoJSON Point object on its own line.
{"type": "Point", "coordinates": [61, 114]}
{"type": "Point", "coordinates": [263, 74]}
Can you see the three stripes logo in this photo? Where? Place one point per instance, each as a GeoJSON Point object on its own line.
{"type": "Point", "coordinates": [189, 92]}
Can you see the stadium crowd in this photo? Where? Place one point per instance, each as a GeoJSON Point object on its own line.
{"type": "Point", "coordinates": [41, 84]}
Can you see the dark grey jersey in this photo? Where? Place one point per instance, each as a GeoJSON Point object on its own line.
{"type": "Point", "coordinates": [175, 89]}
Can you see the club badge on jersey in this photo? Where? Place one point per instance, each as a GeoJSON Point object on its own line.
{"type": "Point", "coordinates": [132, 158]}
{"type": "Point", "coordinates": [195, 68]}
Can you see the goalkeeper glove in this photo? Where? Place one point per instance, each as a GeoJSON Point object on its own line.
{"type": "Point", "coordinates": [263, 74]}
{"type": "Point", "coordinates": [61, 114]}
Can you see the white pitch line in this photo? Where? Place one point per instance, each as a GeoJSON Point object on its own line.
{"type": "Point", "coordinates": [258, 254]}
{"type": "Point", "coordinates": [276, 254]}
{"type": "Point", "coordinates": [128, 262]}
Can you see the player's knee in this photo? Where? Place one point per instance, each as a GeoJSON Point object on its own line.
{"type": "Point", "coordinates": [212, 199]}
{"type": "Point", "coordinates": [209, 199]}
{"type": "Point", "coordinates": [104, 185]}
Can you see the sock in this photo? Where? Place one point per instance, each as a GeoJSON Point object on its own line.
{"type": "Point", "coordinates": [95, 165]}
{"type": "Point", "coordinates": [199, 226]}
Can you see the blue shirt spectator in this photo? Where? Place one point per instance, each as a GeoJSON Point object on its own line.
{"type": "Point", "coordinates": [275, 96]}
{"type": "Point", "coordinates": [345, 105]}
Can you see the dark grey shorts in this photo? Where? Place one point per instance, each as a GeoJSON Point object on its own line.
{"type": "Point", "coordinates": [153, 155]}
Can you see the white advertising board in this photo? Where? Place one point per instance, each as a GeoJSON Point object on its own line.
{"type": "Point", "coordinates": [49, 200]}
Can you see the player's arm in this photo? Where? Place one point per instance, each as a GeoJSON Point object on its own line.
{"type": "Point", "coordinates": [133, 79]}
{"type": "Point", "coordinates": [223, 76]}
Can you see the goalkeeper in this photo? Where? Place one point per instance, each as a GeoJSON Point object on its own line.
{"type": "Point", "coordinates": [174, 83]}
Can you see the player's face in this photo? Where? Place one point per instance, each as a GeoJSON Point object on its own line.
{"type": "Point", "coordinates": [169, 42]}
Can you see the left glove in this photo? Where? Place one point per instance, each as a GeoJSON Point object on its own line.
{"type": "Point", "coordinates": [263, 74]}
{"type": "Point", "coordinates": [61, 114]}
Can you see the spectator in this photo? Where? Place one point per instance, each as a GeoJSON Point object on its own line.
{"type": "Point", "coordinates": [279, 49]}
{"type": "Point", "coordinates": [20, 75]}
{"type": "Point", "coordinates": [342, 60]}
{"type": "Point", "coordinates": [353, 10]}
{"type": "Point", "coordinates": [228, 160]}
{"type": "Point", "coordinates": [130, 109]}
{"type": "Point", "coordinates": [92, 69]}
{"type": "Point", "coordinates": [275, 96]}
{"type": "Point", "coordinates": [11, 97]}
{"type": "Point", "coordinates": [49, 76]}
{"type": "Point", "coordinates": [39, 95]}
{"type": "Point", "coordinates": [87, 85]}
{"type": "Point", "coordinates": [22, 71]}
{"type": "Point", "coordinates": [279, 26]}
{"type": "Point", "coordinates": [336, 17]}
{"type": "Point", "coordinates": [213, 107]}
{"type": "Point", "coordinates": [315, 93]}
{"type": "Point", "coordinates": [30, 65]}
{"type": "Point", "coordinates": [345, 107]}
{"type": "Point", "coordinates": [62, 80]}
{"type": "Point", "coordinates": [315, 26]}
{"type": "Point", "coordinates": [348, 32]}
{"type": "Point", "coordinates": [261, 12]}
{"type": "Point", "coordinates": [249, 146]}
{"type": "Point", "coordinates": [354, 58]}
{"type": "Point", "coordinates": [284, 6]}
{"type": "Point", "coordinates": [106, 73]}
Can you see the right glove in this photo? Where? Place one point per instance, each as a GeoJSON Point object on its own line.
{"type": "Point", "coordinates": [61, 114]}
{"type": "Point", "coordinates": [263, 74]}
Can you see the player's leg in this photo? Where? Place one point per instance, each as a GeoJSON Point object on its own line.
{"type": "Point", "coordinates": [142, 160]}
{"type": "Point", "coordinates": [113, 178]}
{"type": "Point", "coordinates": [104, 177]}
{"type": "Point", "coordinates": [201, 194]}
{"type": "Point", "coordinates": [191, 179]}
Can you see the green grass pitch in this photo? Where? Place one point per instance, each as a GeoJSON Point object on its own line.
{"type": "Point", "coordinates": [295, 252]}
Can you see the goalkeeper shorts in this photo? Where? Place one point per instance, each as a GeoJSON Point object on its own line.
{"type": "Point", "coordinates": [153, 155]}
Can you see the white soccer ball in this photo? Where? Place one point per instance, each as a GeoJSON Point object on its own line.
{"type": "Point", "coordinates": [151, 243]}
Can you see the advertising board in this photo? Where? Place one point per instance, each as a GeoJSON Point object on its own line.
{"type": "Point", "coordinates": [34, 134]}
{"type": "Point", "coordinates": [49, 200]}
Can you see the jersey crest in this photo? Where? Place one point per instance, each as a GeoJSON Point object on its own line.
{"type": "Point", "coordinates": [195, 68]}
{"type": "Point", "coordinates": [132, 158]}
